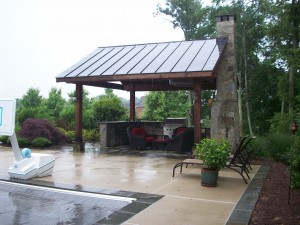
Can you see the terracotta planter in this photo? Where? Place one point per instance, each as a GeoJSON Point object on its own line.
{"type": "Point", "coordinates": [209, 178]}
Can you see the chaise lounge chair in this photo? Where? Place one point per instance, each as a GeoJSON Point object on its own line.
{"type": "Point", "coordinates": [237, 162]}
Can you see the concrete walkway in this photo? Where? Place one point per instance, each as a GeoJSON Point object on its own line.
{"type": "Point", "coordinates": [179, 200]}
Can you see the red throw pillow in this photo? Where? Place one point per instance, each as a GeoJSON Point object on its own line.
{"type": "Point", "coordinates": [150, 139]}
{"type": "Point", "coordinates": [138, 131]}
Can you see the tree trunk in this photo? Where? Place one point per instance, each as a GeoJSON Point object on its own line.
{"type": "Point", "coordinates": [191, 110]}
{"type": "Point", "coordinates": [282, 106]}
{"type": "Point", "coordinates": [239, 92]}
{"type": "Point", "coordinates": [246, 80]}
{"type": "Point", "coordinates": [291, 89]}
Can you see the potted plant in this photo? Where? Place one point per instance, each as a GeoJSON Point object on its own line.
{"type": "Point", "coordinates": [214, 153]}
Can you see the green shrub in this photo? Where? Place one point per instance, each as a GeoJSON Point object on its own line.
{"type": "Point", "coordinates": [90, 135]}
{"type": "Point", "coordinates": [280, 123]}
{"type": "Point", "coordinates": [23, 142]}
{"type": "Point", "coordinates": [69, 133]}
{"type": "Point", "coordinates": [41, 142]}
{"type": "Point", "coordinates": [257, 147]}
{"type": "Point", "coordinates": [295, 164]}
{"type": "Point", "coordinates": [5, 140]}
{"type": "Point", "coordinates": [274, 146]}
{"type": "Point", "coordinates": [213, 152]}
{"type": "Point", "coordinates": [87, 135]}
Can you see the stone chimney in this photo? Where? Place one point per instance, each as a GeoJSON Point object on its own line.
{"type": "Point", "coordinates": [225, 121]}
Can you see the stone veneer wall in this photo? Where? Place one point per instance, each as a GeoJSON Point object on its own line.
{"type": "Point", "coordinates": [225, 116]}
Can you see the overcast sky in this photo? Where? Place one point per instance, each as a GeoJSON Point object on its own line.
{"type": "Point", "coordinates": [41, 38]}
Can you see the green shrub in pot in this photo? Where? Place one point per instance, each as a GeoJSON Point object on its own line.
{"type": "Point", "coordinates": [213, 152]}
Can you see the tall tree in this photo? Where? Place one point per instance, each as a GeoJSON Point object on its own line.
{"type": "Point", "coordinates": [108, 107]}
{"type": "Point", "coordinates": [55, 102]}
{"type": "Point", "coordinates": [284, 45]}
{"type": "Point", "coordinates": [159, 107]}
{"type": "Point", "coordinates": [192, 18]}
{"type": "Point", "coordinates": [188, 15]}
{"type": "Point", "coordinates": [32, 106]}
{"type": "Point", "coordinates": [32, 98]}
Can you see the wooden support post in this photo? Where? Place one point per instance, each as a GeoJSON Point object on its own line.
{"type": "Point", "coordinates": [79, 145]}
{"type": "Point", "coordinates": [197, 112]}
{"type": "Point", "coordinates": [132, 105]}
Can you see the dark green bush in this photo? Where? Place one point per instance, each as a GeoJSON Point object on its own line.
{"type": "Point", "coordinates": [5, 140]}
{"type": "Point", "coordinates": [41, 142]}
{"type": "Point", "coordinates": [23, 142]}
{"type": "Point", "coordinates": [295, 164]}
{"type": "Point", "coordinates": [257, 149]}
{"type": "Point", "coordinates": [274, 146]}
{"type": "Point", "coordinates": [280, 123]}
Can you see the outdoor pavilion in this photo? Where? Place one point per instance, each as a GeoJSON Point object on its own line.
{"type": "Point", "coordinates": [181, 65]}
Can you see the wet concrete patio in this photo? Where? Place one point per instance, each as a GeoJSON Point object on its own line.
{"type": "Point", "coordinates": [146, 176]}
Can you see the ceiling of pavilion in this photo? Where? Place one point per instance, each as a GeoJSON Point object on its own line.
{"type": "Point", "coordinates": [149, 67]}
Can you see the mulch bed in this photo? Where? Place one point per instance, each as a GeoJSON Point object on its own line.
{"type": "Point", "coordinates": [272, 205]}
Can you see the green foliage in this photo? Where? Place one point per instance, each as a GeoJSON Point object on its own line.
{"type": "Point", "coordinates": [31, 112]}
{"type": "Point", "coordinates": [55, 103]}
{"type": "Point", "coordinates": [67, 117]}
{"type": "Point", "coordinates": [69, 133]}
{"type": "Point", "coordinates": [280, 123]}
{"type": "Point", "coordinates": [275, 146]}
{"type": "Point", "coordinates": [213, 152]}
{"type": "Point", "coordinates": [32, 98]}
{"type": "Point", "coordinates": [87, 135]}
{"type": "Point", "coordinates": [108, 108]}
{"type": "Point", "coordinates": [295, 163]}
{"type": "Point", "coordinates": [263, 96]}
{"type": "Point", "coordinates": [257, 148]}
{"type": "Point", "coordinates": [4, 140]}
{"type": "Point", "coordinates": [90, 135]}
{"type": "Point", "coordinates": [190, 16]}
{"type": "Point", "coordinates": [23, 142]}
{"type": "Point", "coordinates": [41, 142]}
{"type": "Point", "coordinates": [32, 106]}
{"type": "Point", "coordinates": [163, 104]}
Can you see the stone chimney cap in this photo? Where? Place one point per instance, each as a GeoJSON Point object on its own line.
{"type": "Point", "coordinates": [225, 17]}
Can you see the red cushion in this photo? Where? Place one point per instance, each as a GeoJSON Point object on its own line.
{"type": "Point", "coordinates": [150, 139]}
{"type": "Point", "coordinates": [160, 140]}
{"type": "Point", "coordinates": [138, 131]}
{"type": "Point", "coordinates": [180, 129]}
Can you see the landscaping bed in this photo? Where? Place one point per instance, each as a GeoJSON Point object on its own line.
{"type": "Point", "coordinates": [272, 205]}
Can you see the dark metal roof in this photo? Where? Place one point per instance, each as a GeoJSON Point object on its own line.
{"type": "Point", "coordinates": [153, 61]}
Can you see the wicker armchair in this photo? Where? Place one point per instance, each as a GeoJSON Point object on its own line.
{"type": "Point", "coordinates": [139, 138]}
{"type": "Point", "coordinates": [182, 142]}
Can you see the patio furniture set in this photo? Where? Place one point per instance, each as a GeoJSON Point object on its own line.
{"type": "Point", "coordinates": [181, 141]}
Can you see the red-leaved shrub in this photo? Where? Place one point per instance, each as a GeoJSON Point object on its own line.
{"type": "Point", "coordinates": [34, 128]}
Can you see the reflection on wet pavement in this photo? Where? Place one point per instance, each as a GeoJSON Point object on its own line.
{"type": "Point", "coordinates": [25, 205]}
